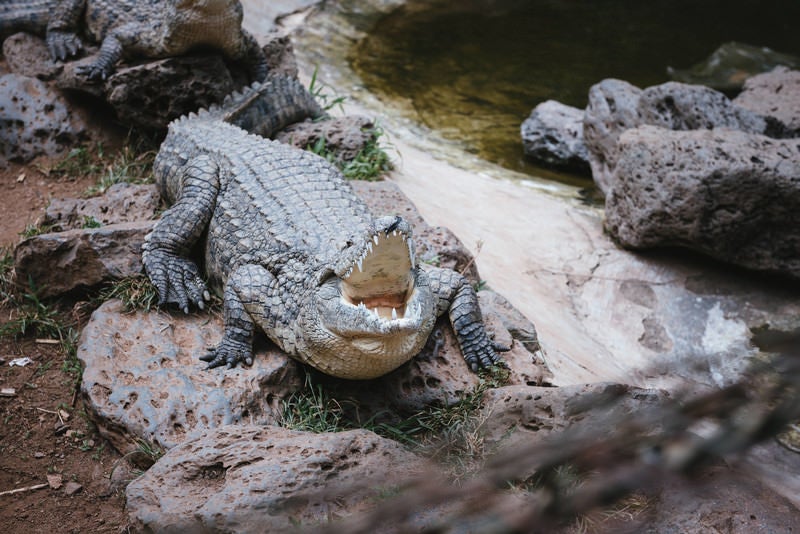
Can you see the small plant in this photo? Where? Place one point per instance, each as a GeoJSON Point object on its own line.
{"type": "Point", "coordinates": [6, 276]}
{"type": "Point", "coordinates": [136, 292]}
{"type": "Point", "coordinates": [33, 316]}
{"type": "Point", "coordinates": [128, 166]}
{"type": "Point", "coordinates": [369, 164]}
{"type": "Point", "coordinates": [81, 161]}
{"type": "Point", "coordinates": [90, 222]}
{"type": "Point", "coordinates": [319, 91]}
{"type": "Point", "coordinates": [312, 410]}
{"type": "Point", "coordinates": [32, 230]}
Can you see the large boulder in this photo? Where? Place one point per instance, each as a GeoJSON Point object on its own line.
{"type": "Point", "coordinates": [553, 136]}
{"type": "Point", "coordinates": [247, 478]}
{"type": "Point", "coordinates": [616, 106]}
{"type": "Point", "coordinates": [613, 108]}
{"type": "Point", "coordinates": [143, 380]}
{"type": "Point", "coordinates": [732, 195]}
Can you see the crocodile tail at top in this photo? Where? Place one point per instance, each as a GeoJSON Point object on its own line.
{"type": "Point", "coordinates": [266, 107]}
{"type": "Point", "coordinates": [24, 16]}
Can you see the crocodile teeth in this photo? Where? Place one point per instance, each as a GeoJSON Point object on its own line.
{"type": "Point", "coordinates": [375, 238]}
{"type": "Point", "coordinates": [394, 314]}
{"type": "Point", "coordinates": [394, 233]}
{"type": "Point", "coordinates": [369, 246]}
{"type": "Point", "coordinates": [360, 265]}
{"type": "Point", "coordinates": [375, 311]}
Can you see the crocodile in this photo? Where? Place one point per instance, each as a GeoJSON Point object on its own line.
{"type": "Point", "coordinates": [292, 249]}
{"type": "Point", "coordinates": [135, 28]}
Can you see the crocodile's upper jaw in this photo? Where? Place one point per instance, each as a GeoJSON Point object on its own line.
{"type": "Point", "coordinates": [382, 279]}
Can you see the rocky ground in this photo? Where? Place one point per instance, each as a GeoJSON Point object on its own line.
{"type": "Point", "coordinates": [46, 438]}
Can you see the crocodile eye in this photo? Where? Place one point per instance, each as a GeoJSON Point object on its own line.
{"type": "Point", "coordinates": [349, 243]}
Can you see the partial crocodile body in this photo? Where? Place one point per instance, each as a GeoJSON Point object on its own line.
{"type": "Point", "coordinates": [295, 251]}
{"type": "Point", "coordinates": [135, 28]}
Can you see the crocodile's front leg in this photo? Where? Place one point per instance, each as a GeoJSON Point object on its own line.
{"type": "Point", "coordinates": [61, 38]}
{"type": "Point", "coordinates": [247, 297]}
{"type": "Point", "coordinates": [456, 295]}
{"type": "Point", "coordinates": [164, 252]}
{"type": "Point", "coordinates": [127, 38]}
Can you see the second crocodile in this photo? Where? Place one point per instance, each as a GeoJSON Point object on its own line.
{"type": "Point", "coordinates": [135, 28]}
{"type": "Point", "coordinates": [295, 251]}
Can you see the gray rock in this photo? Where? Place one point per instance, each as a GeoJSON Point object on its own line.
{"type": "Point", "coordinates": [150, 95]}
{"type": "Point", "coordinates": [34, 120]}
{"type": "Point", "coordinates": [726, 193]}
{"type": "Point", "coordinates": [344, 136]}
{"type": "Point", "coordinates": [266, 479]}
{"type": "Point", "coordinates": [775, 95]}
{"type": "Point", "coordinates": [120, 203]}
{"type": "Point", "coordinates": [59, 262]}
{"type": "Point", "coordinates": [143, 379]}
{"type": "Point", "coordinates": [27, 55]}
{"type": "Point", "coordinates": [523, 414]}
{"type": "Point", "coordinates": [680, 106]}
{"type": "Point", "coordinates": [553, 136]}
{"type": "Point", "coordinates": [613, 108]}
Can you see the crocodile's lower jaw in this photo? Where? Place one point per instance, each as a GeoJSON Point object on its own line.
{"type": "Point", "coordinates": [368, 357]}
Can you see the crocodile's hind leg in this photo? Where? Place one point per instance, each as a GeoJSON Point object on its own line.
{"type": "Point", "coordinates": [246, 301]}
{"type": "Point", "coordinates": [176, 277]}
{"type": "Point", "coordinates": [456, 296]}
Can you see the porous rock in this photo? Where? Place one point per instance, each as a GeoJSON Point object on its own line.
{"type": "Point", "coordinates": [553, 136]}
{"type": "Point", "coordinates": [34, 120]}
{"type": "Point", "coordinates": [27, 55]}
{"type": "Point", "coordinates": [613, 107]}
{"type": "Point", "coordinates": [59, 262]}
{"type": "Point", "coordinates": [680, 106]}
{"type": "Point", "coordinates": [122, 202]}
{"type": "Point", "coordinates": [248, 478]}
{"type": "Point", "coordinates": [523, 414]}
{"type": "Point", "coordinates": [344, 136]}
{"type": "Point", "coordinates": [143, 379]}
{"type": "Point", "coordinates": [729, 194]}
{"type": "Point", "coordinates": [151, 95]}
{"type": "Point", "coordinates": [775, 95]}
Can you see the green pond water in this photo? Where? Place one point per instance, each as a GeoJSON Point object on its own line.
{"type": "Point", "coordinates": [473, 73]}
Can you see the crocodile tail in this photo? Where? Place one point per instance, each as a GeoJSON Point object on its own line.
{"type": "Point", "coordinates": [267, 107]}
{"type": "Point", "coordinates": [24, 16]}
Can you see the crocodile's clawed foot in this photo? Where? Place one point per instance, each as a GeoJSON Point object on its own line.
{"type": "Point", "coordinates": [485, 355]}
{"type": "Point", "coordinates": [93, 72]}
{"type": "Point", "coordinates": [177, 279]}
{"type": "Point", "coordinates": [229, 352]}
{"type": "Point", "coordinates": [62, 45]}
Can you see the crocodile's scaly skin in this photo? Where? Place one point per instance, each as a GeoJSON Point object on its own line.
{"type": "Point", "coordinates": [135, 28]}
{"type": "Point", "coordinates": [295, 251]}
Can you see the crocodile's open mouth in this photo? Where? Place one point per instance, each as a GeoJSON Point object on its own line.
{"type": "Point", "coordinates": [382, 279]}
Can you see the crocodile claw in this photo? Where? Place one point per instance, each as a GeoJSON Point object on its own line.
{"type": "Point", "coordinates": [229, 352]}
{"type": "Point", "coordinates": [484, 355]}
{"type": "Point", "coordinates": [93, 72]}
{"type": "Point", "coordinates": [63, 45]}
{"type": "Point", "coordinates": [177, 279]}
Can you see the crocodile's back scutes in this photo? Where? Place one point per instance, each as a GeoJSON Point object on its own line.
{"type": "Point", "coordinates": [270, 201]}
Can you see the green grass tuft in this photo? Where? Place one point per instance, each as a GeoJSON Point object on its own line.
{"type": "Point", "coordinates": [136, 292]}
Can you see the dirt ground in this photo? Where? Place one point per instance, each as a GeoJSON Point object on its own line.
{"type": "Point", "coordinates": [45, 433]}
